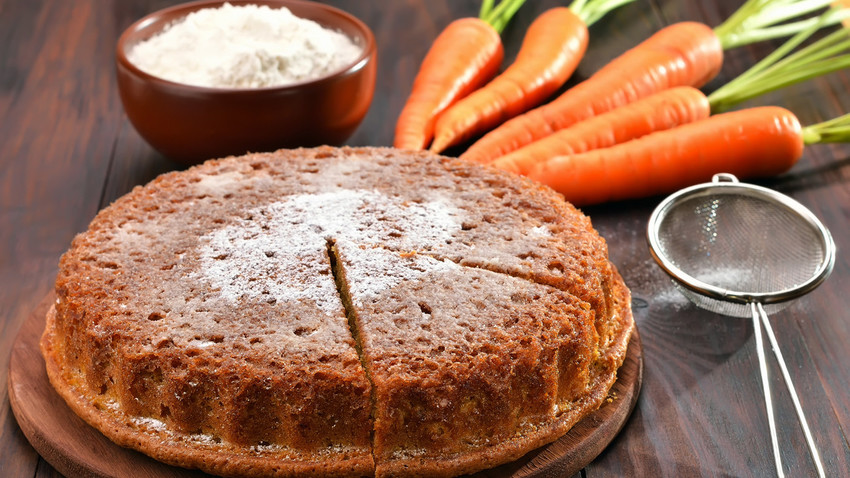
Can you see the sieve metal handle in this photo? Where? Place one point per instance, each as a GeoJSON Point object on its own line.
{"type": "Point", "coordinates": [760, 315]}
{"type": "Point", "coordinates": [768, 403]}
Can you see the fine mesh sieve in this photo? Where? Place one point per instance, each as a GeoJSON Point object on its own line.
{"type": "Point", "coordinates": [744, 251]}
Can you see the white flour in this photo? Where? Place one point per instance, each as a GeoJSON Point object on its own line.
{"type": "Point", "coordinates": [280, 252]}
{"type": "Point", "coordinates": [243, 47]}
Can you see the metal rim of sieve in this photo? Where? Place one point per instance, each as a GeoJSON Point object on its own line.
{"type": "Point", "coordinates": [723, 184]}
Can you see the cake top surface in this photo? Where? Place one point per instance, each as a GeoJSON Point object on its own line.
{"type": "Point", "coordinates": [263, 253]}
{"type": "Point", "coordinates": [237, 233]}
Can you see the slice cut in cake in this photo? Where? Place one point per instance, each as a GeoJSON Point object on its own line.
{"type": "Point", "coordinates": [469, 368]}
{"type": "Point", "coordinates": [480, 217]}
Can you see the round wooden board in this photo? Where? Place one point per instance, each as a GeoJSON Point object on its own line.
{"type": "Point", "coordinates": [76, 449]}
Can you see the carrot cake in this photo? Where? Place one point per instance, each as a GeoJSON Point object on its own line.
{"type": "Point", "coordinates": [337, 312]}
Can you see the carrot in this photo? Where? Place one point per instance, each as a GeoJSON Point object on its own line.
{"type": "Point", "coordinates": [682, 54]}
{"type": "Point", "coordinates": [466, 54]}
{"type": "Point", "coordinates": [754, 142]}
{"type": "Point", "coordinates": [675, 106]}
{"type": "Point", "coordinates": [663, 110]}
{"type": "Point", "coordinates": [551, 50]}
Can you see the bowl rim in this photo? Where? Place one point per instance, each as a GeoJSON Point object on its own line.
{"type": "Point", "coordinates": [351, 68]}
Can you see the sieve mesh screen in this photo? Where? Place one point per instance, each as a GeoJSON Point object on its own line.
{"type": "Point", "coordinates": [742, 242]}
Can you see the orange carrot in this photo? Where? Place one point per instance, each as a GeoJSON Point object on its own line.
{"type": "Point", "coordinates": [670, 108]}
{"type": "Point", "coordinates": [754, 142]}
{"type": "Point", "coordinates": [466, 54]}
{"type": "Point", "coordinates": [552, 48]}
{"type": "Point", "coordinates": [682, 54]}
{"type": "Point", "coordinates": [663, 110]}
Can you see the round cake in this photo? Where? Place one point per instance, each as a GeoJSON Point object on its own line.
{"type": "Point", "coordinates": [337, 312]}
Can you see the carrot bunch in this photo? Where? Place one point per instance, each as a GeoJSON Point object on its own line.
{"type": "Point", "coordinates": [466, 54]}
{"type": "Point", "coordinates": [682, 54]}
{"type": "Point", "coordinates": [552, 48]}
{"type": "Point", "coordinates": [680, 105]}
{"type": "Point", "coordinates": [439, 107]}
{"type": "Point", "coordinates": [753, 142]}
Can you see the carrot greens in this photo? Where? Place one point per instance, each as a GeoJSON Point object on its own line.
{"type": "Point", "coordinates": [499, 15]}
{"type": "Point", "coordinates": [590, 11]}
{"type": "Point", "coordinates": [760, 20]}
{"type": "Point", "coordinates": [784, 66]}
{"type": "Point", "coordinates": [836, 130]}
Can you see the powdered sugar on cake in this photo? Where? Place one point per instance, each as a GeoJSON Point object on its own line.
{"type": "Point", "coordinates": [378, 269]}
{"type": "Point", "coordinates": [222, 183]}
{"type": "Point", "coordinates": [262, 256]}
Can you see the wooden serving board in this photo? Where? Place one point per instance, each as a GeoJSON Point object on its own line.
{"type": "Point", "coordinates": [77, 450]}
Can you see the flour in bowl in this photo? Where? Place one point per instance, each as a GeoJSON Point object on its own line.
{"type": "Point", "coordinates": [246, 46]}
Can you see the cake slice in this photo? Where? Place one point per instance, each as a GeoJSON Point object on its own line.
{"type": "Point", "coordinates": [469, 368]}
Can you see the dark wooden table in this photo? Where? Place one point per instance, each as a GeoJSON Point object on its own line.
{"type": "Point", "coordinates": [67, 150]}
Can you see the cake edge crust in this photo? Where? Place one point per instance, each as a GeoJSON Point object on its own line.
{"type": "Point", "coordinates": [218, 461]}
{"type": "Point", "coordinates": [227, 463]}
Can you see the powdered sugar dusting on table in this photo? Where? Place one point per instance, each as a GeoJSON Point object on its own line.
{"type": "Point", "coordinates": [262, 256]}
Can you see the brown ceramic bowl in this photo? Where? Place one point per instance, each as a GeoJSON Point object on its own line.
{"type": "Point", "coordinates": [190, 124]}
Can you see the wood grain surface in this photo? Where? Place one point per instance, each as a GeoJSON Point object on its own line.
{"type": "Point", "coordinates": [67, 149]}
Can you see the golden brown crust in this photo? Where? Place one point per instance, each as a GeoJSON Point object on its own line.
{"type": "Point", "coordinates": [176, 333]}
